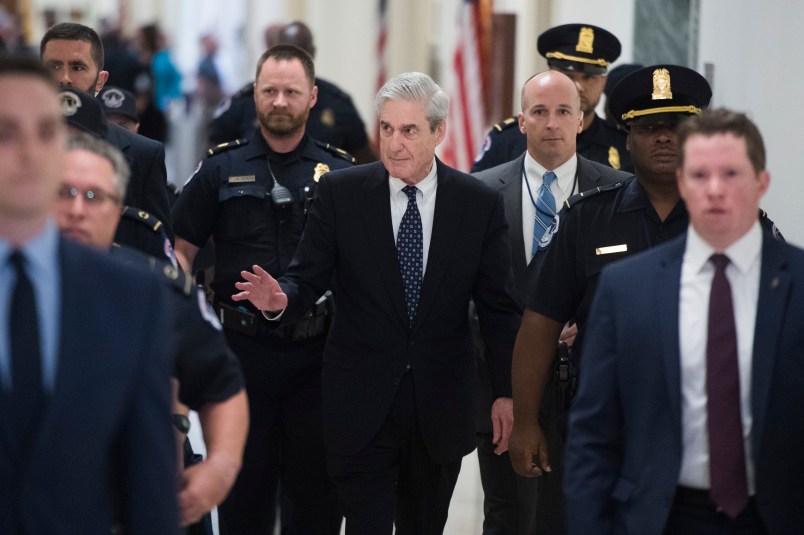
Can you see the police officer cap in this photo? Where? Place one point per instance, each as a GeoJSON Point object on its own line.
{"type": "Point", "coordinates": [82, 111]}
{"type": "Point", "coordinates": [659, 93]}
{"type": "Point", "coordinates": [618, 73]}
{"type": "Point", "coordinates": [579, 48]}
{"type": "Point", "coordinates": [118, 101]}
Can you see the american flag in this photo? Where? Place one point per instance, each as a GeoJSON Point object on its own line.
{"type": "Point", "coordinates": [381, 49]}
{"type": "Point", "coordinates": [467, 124]}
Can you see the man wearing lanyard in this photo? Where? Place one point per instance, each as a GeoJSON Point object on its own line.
{"type": "Point", "coordinates": [534, 186]}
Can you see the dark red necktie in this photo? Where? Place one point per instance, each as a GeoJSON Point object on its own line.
{"type": "Point", "coordinates": [728, 482]}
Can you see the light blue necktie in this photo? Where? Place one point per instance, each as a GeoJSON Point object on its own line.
{"type": "Point", "coordinates": [409, 250]}
{"type": "Point", "coordinates": [545, 210]}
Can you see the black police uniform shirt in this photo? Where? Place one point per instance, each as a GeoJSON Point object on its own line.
{"type": "Point", "coordinates": [600, 143]}
{"type": "Point", "coordinates": [143, 231]}
{"type": "Point", "coordinates": [229, 199]}
{"type": "Point", "coordinates": [207, 370]}
{"type": "Point", "coordinates": [597, 229]}
{"type": "Point", "coordinates": [334, 118]}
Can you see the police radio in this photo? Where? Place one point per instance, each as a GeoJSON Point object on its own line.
{"type": "Point", "coordinates": [280, 195]}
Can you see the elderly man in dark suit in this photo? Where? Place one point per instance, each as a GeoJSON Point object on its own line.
{"type": "Point", "coordinates": [685, 420]}
{"type": "Point", "coordinates": [551, 118]}
{"type": "Point", "coordinates": [406, 242]}
{"type": "Point", "coordinates": [86, 444]}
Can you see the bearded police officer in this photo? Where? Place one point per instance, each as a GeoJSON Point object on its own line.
{"type": "Point", "coordinates": [251, 196]}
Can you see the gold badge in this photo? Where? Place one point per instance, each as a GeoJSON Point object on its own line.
{"type": "Point", "coordinates": [319, 171]}
{"type": "Point", "coordinates": [143, 215]}
{"type": "Point", "coordinates": [242, 179]}
{"type": "Point", "coordinates": [661, 85]}
{"type": "Point", "coordinates": [586, 39]}
{"type": "Point", "coordinates": [328, 117]}
{"type": "Point", "coordinates": [614, 157]}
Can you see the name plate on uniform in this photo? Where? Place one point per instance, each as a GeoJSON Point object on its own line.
{"type": "Point", "coordinates": [611, 249]}
{"type": "Point", "coordinates": [242, 179]}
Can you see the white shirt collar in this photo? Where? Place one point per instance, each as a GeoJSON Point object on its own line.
{"type": "Point", "coordinates": [565, 172]}
{"type": "Point", "coordinates": [742, 253]}
{"type": "Point", "coordinates": [426, 186]}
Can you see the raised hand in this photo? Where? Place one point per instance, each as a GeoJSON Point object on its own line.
{"type": "Point", "coordinates": [262, 290]}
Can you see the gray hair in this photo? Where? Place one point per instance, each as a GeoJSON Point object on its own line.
{"type": "Point", "coordinates": [416, 87]}
{"type": "Point", "coordinates": [99, 147]}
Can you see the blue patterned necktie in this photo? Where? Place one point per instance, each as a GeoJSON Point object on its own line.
{"type": "Point", "coordinates": [545, 210]}
{"type": "Point", "coordinates": [409, 250]}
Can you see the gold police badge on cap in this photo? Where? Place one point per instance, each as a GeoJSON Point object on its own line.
{"type": "Point", "coordinates": [586, 39]}
{"type": "Point", "coordinates": [661, 85]}
{"type": "Point", "coordinates": [69, 103]}
{"type": "Point", "coordinates": [328, 117]}
{"type": "Point", "coordinates": [319, 171]}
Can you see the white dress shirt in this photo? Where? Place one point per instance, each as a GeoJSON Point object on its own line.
{"type": "Point", "coordinates": [561, 188]}
{"type": "Point", "coordinates": [425, 200]}
{"type": "Point", "coordinates": [696, 284]}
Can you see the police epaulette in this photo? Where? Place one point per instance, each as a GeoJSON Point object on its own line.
{"type": "Point", "coordinates": [178, 279]}
{"type": "Point", "coordinates": [578, 197]}
{"type": "Point", "coordinates": [223, 147]}
{"type": "Point", "coordinates": [499, 127]}
{"type": "Point", "coordinates": [336, 151]}
{"type": "Point", "coordinates": [141, 216]}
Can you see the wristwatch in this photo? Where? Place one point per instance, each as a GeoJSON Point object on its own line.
{"type": "Point", "coordinates": [181, 423]}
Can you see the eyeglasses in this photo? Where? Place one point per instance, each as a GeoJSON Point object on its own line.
{"type": "Point", "coordinates": [91, 196]}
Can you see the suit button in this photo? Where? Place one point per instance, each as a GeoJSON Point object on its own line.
{"type": "Point", "coordinates": [411, 343]}
{"type": "Point", "coordinates": [396, 381]}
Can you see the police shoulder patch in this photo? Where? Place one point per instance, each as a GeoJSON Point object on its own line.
{"type": "Point", "coordinates": [142, 217]}
{"type": "Point", "coordinates": [508, 123]}
{"type": "Point", "coordinates": [340, 153]}
{"type": "Point", "coordinates": [578, 197]}
{"type": "Point", "coordinates": [223, 147]}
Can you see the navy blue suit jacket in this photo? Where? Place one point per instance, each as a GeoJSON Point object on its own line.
{"type": "Point", "coordinates": [105, 453]}
{"type": "Point", "coordinates": [349, 234]}
{"type": "Point", "coordinates": [625, 438]}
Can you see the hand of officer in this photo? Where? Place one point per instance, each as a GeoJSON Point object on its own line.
{"type": "Point", "coordinates": [528, 450]}
{"type": "Point", "coordinates": [568, 334]}
{"type": "Point", "coordinates": [502, 419]}
{"type": "Point", "coordinates": [262, 290]}
{"type": "Point", "coordinates": [203, 486]}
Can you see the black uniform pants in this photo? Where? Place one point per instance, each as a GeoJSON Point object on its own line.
{"type": "Point", "coordinates": [285, 448]}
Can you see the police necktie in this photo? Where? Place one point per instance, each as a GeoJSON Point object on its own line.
{"type": "Point", "coordinates": [409, 251]}
{"type": "Point", "coordinates": [728, 482]}
{"type": "Point", "coordinates": [26, 359]}
{"type": "Point", "coordinates": [545, 210]}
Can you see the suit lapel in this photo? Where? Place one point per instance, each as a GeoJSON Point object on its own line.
{"type": "Point", "coordinates": [588, 175]}
{"type": "Point", "coordinates": [380, 232]}
{"type": "Point", "coordinates": [446, 227]}
{"type": "Point", "coordinates": [774, 291]}
{"type": "Point", "coordinates": [511, 178]}
{"type": "Point", "coordinates": [668, 287]}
